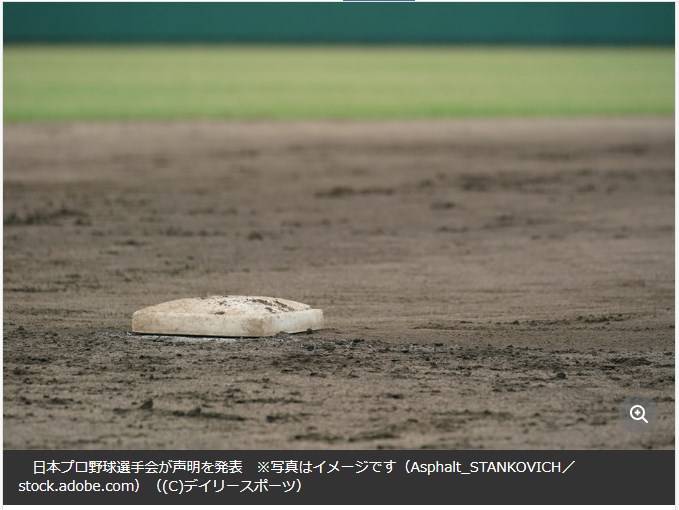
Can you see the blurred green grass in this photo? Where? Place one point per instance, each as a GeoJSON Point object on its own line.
{"type": "Point", "coordinates": [337, 82]}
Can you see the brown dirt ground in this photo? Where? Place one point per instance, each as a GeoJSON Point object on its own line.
{"type": "Point", "coordinates": [486, 284]}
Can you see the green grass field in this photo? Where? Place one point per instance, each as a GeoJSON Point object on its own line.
{"type": "Point", "coordinates": [297, 82]}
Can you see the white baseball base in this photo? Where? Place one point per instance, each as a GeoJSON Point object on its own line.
{"type": "Point", "coordinates": [229, 316]}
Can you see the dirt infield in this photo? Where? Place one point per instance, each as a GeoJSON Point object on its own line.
{"type": "Point", "coordinates": [486, 284]}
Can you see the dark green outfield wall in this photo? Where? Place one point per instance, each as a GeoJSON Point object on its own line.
{"type": "Point", "coordinates": [356, 22]}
